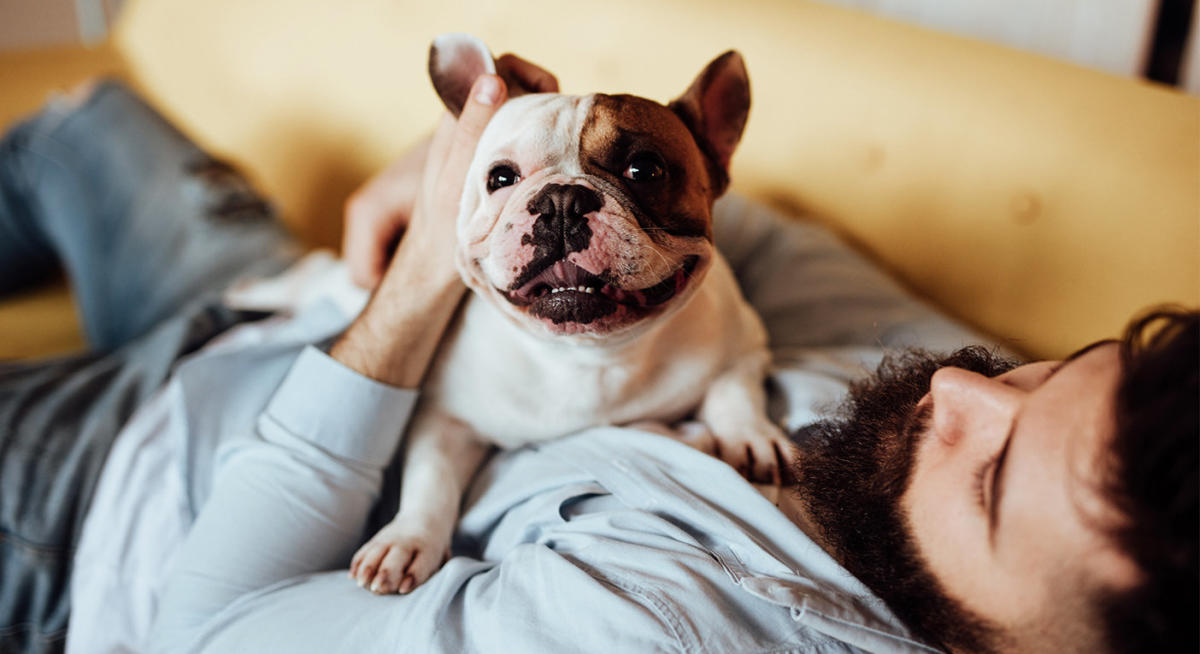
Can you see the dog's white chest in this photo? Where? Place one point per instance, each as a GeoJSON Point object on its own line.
{"type": "Point", "coordinates": [513, 388]}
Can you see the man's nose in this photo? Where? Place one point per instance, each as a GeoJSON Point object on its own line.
{"type": "Point", "coordinates": [968, 405]}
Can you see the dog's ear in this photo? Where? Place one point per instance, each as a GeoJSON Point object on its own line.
{"type": "Point", "coordinates": [455, 62]}
{"type": "Point", "coordinates": [715, 108]}
{"type": "Point", "coordinates": [523, 76]}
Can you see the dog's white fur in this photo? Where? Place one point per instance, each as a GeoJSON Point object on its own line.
{"type": "Point", "coordinates": [505, 377]}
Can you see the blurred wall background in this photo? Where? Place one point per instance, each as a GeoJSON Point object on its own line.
{"type": "Point", "coordinates": [1135, 38]}
{"type": "Point", "coordinates": [1125, 37]}
{"type": "Point", "coordinates": [1037, 199]}
{"type": "Point", "coordinates": [28, 24]}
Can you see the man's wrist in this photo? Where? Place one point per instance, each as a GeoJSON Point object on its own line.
{"type": "Point", "coordinates": [395, 337]}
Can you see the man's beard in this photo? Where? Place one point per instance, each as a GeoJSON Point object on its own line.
{"type": "Point", "coordinates": [850, 477]}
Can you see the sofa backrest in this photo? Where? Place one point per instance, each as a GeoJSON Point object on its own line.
{"type": "Point", "coordinates": [1038, 201]}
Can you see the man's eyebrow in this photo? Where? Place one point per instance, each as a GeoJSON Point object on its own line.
{"type": "Point", "coordinates": [998, 484]}
{"type": "Point", "coordinates": [1085, 349]}
{"type": "Point", "coordinates": [1078, 353]}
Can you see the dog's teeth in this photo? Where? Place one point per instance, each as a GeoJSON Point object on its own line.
{"type": "Point", "coordinates": [580, 289]}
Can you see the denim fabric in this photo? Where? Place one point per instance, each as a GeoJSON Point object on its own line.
{"type": "Point", "coordinates": [149, 229]}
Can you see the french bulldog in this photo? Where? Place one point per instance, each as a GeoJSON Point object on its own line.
{"type": "Point", "coordinates": [597, 297]}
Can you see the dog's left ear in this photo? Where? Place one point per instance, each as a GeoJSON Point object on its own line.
{"type": "Point", "coordinates": [455, 62]}
{"type": "Point", "coordinates": [715, 108]}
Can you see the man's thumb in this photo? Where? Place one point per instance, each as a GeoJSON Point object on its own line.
{"type": "Point", "coordinates": [487, 94]}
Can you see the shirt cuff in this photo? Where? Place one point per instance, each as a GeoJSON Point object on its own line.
{"type": "Point", "coordinates": [339, 410]}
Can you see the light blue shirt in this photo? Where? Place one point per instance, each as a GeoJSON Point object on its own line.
{"type": "Point", "coordinates": [611, 540]}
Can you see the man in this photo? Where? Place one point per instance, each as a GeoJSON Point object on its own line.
{"type": "Point", "coordinates": [1045, 507]}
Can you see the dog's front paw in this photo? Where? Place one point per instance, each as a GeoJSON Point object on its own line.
{"type": "Point", "coordinates": [401, 556]}
{"type": "Point", "coordinates": [756, 448]}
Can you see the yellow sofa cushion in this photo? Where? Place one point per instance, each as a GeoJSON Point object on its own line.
{"type": "Point", "coordinates": [1038, 201]}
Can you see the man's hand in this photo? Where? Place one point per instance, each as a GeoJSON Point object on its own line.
{"type": "Point", "coordinates": [377, 213]}
{"type": "Point", "coordinates": [381, 209]}
{"type": "Point", "coordinates": [394, 338]}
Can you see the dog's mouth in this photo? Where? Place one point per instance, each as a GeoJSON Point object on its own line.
{"type": "Point", "coordinates": [566, 293]}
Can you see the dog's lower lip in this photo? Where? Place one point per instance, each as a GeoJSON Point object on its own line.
{"type": "Point", "coordinates": [565, 276]}
{"type": "Point", "coordinates": [573, 306]}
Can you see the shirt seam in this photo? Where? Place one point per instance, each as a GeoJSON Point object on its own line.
{"type": "Point", "coordinates": [659, 607]}
{"type": "Point", "coordinates": [873, 630]}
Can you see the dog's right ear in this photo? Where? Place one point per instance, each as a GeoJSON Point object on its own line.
{"type": "Point", "coordinates": [715, 108]}
{"type": "Point", "coordinates": [455, 62]}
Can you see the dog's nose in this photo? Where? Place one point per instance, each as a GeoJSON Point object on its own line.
{"type": "Point", "coordinates": [562, 211]}
{"type": "Point", "coordinates": [570, 201]}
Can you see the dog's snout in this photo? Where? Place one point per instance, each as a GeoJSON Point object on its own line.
{"type": "Point", "coordinates": [568, 201]}
{"type": "Point", "coordinates": [561, 226]}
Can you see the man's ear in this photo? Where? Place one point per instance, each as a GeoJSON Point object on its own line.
{"type": "Point", "coordinates": [455, 62]}
{"type": "Point", "coordinates": [715, 108]}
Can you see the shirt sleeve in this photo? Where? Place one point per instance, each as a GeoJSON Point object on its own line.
{"type": "Point", "coordinates": [289, 501]}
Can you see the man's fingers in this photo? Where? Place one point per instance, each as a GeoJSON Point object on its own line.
{"type": "Point", "coordinates": [439, 147]}
{"type": "Point", "coordinates": [530, 76]}
{"type": "Point", "coordinates": [368, 232]}
{"type": "Point", "coordinates": [487, 94]}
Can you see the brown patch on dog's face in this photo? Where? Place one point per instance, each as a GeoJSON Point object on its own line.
{"type": "Point", "coordinates": [602, 224]}
{"type": "Point", "coordinates": [624, 132]}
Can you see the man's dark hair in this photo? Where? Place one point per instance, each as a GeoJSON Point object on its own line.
{"type": "Point", "coordinates": [1152, 481]}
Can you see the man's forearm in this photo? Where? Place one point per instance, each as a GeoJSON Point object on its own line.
{"type": "Point", "coordinates": [394, 339]}
{"type": "Point", "coordinates": [287, 501]}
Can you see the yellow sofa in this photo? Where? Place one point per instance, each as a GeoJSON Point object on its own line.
{"type": "Point", "coordinates": [1040, 202]}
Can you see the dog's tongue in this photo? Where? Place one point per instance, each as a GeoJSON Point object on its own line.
{"type": "Point", "coordinates": [561, 274]}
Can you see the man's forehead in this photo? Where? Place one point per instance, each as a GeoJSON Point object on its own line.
{"type": "Point", "coordinates": [1088, 382]}
{"type": "Point", "coordinates": [1086, 395]}
{"type": "Point", "coordinates": [1071, 421]}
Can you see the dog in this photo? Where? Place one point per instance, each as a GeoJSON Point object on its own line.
{"type": "Point", "coordinates": [597, 297]}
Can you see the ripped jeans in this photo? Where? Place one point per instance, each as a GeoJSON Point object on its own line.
{"type": "Point", "coordinates": [150, 230]}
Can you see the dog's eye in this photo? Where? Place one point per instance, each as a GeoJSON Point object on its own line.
{"type": "Point", "coordinates": [501, 175]}
{"type": "Point", "coordinates": [645, 167]}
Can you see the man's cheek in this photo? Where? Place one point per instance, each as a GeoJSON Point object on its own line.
{"type": "Point", "coordinates": [948, 529]}
{"type": "Point", "coordinates": [938, 499]}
